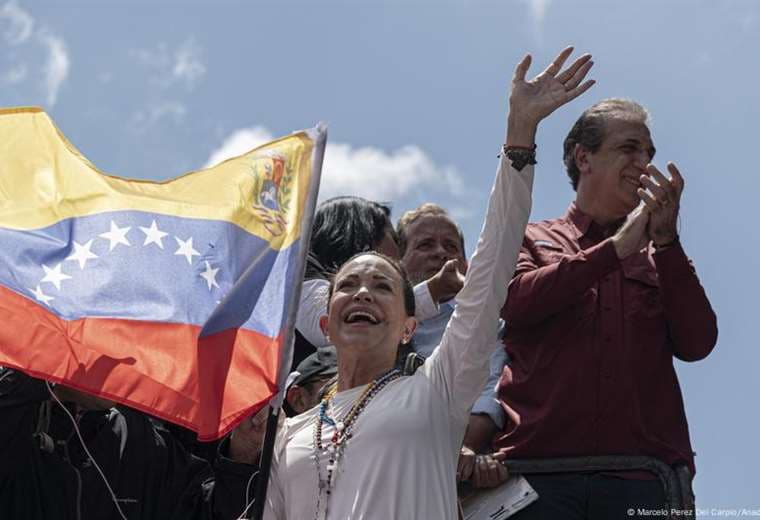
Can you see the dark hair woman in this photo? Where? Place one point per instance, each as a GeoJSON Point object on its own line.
{"type": "Point", "coordinates": [344, 226]}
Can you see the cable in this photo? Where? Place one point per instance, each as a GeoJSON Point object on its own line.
{"type": "Point", "coordinates": [9, 372]}
{"type": "Point", "coordinates": [76, 429]}
{"type": "Point", "coordinates": [247, 490]}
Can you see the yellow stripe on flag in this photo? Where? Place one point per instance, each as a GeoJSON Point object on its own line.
{"type": "Point", "coordinates": [44, 179]}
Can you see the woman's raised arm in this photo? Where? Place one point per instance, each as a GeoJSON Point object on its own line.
{"type": "Point", "coordinates": [459, 367]}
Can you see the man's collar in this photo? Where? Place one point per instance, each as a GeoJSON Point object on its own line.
{"type": "Point", "coordinates": [579, 219]}
{"type": "Point", "coordinates": [584, 225]}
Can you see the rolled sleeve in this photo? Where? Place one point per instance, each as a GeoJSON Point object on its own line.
{"type": "Point", "coordinates": [425, 307]}
{"type": "Point", "coordinates": [312, 307]}
{"type": "Point", "coordinates": [488, 403]}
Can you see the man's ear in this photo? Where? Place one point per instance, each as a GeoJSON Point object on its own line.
{"type": "Point", "coordinates": [323, 326]}
{"type": "Point", "coordinates": [581, 155]}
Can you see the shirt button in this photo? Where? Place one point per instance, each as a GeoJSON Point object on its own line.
{"type": "Point", "coordinates": [607, 339]}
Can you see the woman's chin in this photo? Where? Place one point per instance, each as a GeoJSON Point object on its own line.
{"type": "Point", "coordinates": [360, 338]}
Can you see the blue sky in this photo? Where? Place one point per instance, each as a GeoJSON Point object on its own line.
{"type": "Point", "coordinates": [414, 93]}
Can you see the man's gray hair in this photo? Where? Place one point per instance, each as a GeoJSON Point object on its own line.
{"type": "Point", "coordinates": [589, 130]}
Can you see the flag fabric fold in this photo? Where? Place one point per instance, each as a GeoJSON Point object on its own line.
{"type": "Point", "coordinates": [176, 298]}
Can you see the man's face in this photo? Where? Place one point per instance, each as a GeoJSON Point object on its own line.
{"type": "Point", "coordinates": [306, 397]}
{"type": "Point", "coordinates": [432, 240]}
{"type": "Point", "coordinates": [615, 168]}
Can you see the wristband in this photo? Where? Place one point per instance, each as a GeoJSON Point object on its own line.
{"type": "Point", "coordinates": [520, 156]}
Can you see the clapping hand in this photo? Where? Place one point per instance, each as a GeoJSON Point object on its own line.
{"type": "Point", "coordinates": [662, 197]}
{"type": "Point", "coordinates": [531, 101]}
{"type": "Point", "coordinates": [632, 236]}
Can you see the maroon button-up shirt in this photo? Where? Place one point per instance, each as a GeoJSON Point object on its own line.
{"type": "Point", "coordinates": [591, 340]}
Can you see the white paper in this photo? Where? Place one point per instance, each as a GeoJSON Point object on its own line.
{"type": "Point", "coordinates": [500, 502]}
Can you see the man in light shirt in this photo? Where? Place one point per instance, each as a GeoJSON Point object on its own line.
{"type": "Point", "coordinates": [432, 249]}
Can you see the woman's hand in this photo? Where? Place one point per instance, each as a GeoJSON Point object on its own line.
{"type": "Point", "coordinates": [532, 101]}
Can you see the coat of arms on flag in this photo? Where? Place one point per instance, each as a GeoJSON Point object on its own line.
{"type": "Point", "coordinates": [175, 298]}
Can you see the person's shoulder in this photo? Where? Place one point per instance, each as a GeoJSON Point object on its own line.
{"type": "Point", "coordinates": [316, 284]}
{"type": "Point", "coordinates": [541, 228]}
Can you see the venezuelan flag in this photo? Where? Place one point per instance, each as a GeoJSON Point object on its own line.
{"type": "Point", "coordinates": [175, 298]}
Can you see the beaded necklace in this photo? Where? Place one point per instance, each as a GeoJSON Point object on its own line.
{"type": "Point", "coordinates": [343, 432]}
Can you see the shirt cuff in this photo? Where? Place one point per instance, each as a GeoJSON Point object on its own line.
{"type": "Point", "coordinates": [425, 307]}
{"type": "Point", "coordinates": [488, 405]}
{"type": "Point", "coordinates": [672, 259]}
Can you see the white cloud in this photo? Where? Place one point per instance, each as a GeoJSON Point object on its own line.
{"type": "Point", "coordinates": [39, 56]}
{"type": "Point", "coordinates": [238, 143]}
{"type": "Point", "coordinates": [183, 65]}
{"type": "Point", "coordinates": [56, 68]}
{"type": "Point", "coordinates": [365, 171]}
{"type": "Point", "coordinates": [18, 24]}
{"type": "Point", "coordinates": [375, 174]}
{"type": "Point", "coordinates": [188, 66]}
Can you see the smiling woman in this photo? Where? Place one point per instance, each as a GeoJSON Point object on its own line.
{"type": "Point", "coordinates": [370, 299]}
{"type": "Point", "coordinates": [343, 227]}
{"type": "Point", "coordinates": [382, 445]}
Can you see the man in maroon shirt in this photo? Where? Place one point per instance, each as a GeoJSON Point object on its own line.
{"type": "Point", "coordinates": [598, 308]}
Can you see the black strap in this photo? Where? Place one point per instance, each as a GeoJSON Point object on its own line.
{"type": "Point", "coordinates": [412, 363]}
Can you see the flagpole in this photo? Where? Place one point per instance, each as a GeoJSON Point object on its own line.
{"type": "Point", "coordinates": [265, 464]}
{"type": "Point", "coordinates": [319, 135]}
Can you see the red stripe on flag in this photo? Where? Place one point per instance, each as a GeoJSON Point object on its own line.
{"type": "Point", "coordinates": [208, 384]}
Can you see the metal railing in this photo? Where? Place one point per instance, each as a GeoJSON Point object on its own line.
{"type": "Point", "coordinates": [676, 482]}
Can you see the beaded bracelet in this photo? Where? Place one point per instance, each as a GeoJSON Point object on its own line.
{"type": "Point", "coordinates": [519, 156]}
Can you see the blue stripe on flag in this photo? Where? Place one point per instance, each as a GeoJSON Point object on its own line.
{"type": "Point", "coordinates": [143, 266]}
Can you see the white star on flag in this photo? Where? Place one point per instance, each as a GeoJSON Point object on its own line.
{"type": "Point", "coordinates": [116, 236]}
{"type": "Point", "coordinates": [186, 249]}
{"type": "Point", "coordinates": [153, 235]}
{"type": "Point", "coordinates": [82, 253]}
{"type": "Point", "coordinates": [210, 276]}
{"type": "Point", "coordinates": [41, 296]}
{"type": "Point", "coordinates": [54, 276]}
